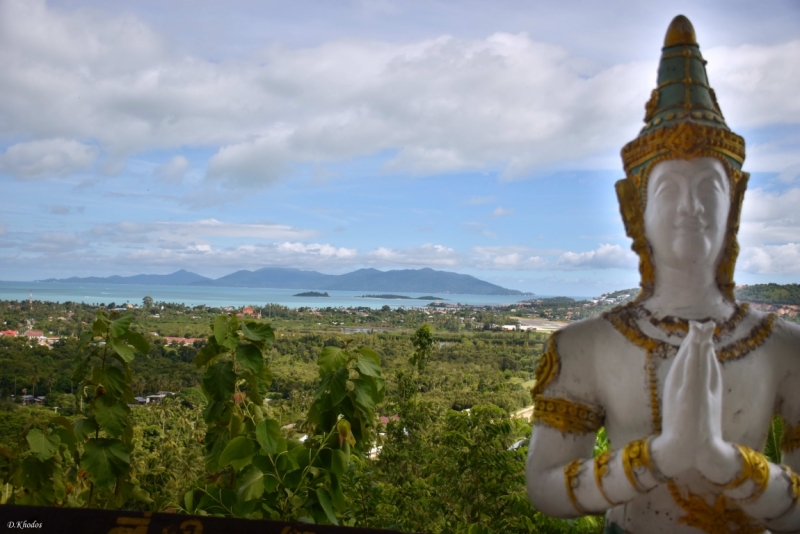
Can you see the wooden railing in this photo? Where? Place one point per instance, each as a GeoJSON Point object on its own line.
{"type": "Point", "coordinates": [38, 520]}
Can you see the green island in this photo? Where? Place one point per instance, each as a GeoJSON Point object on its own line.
{"type": "Point", "coordinates": [400, 297]}
{"type": "Point", "coordinates": [312, 294]}
{"type": "Point", "coordinates": [214, 411]}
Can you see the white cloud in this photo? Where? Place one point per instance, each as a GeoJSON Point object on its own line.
{"type": "Point", "coordinates": [55, 243]}
{"type": "Point", "coordinates": [207, 228]}
{"type": "Point", "coordinates": [174, 170]}
{"type": "Point", "coordinates": [316, 249]}
{"type": "Point", "coordinates": [751, 83]}
{"type": "Point", "coordinates": [770, 218]}
{"type": "Point", "coordinates": [427, 255]}
{"type": "Point", "coordinates": [510, 258]}
{"type": "Point", "coordinates": [59, 210]}
{"type": "Point", "coordinates": [445, 104]}
{"type": "Point", "coordinates": [47, 158]}
{"type": "Point", "coordinates": [771, 259]}
{"type": "Point", "coordinates": [605, 257]}
{"type": "Point", "coordinates": [500, 211]}
{"type": "Point", "coordinates": [790, 173]}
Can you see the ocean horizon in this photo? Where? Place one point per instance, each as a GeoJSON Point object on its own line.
{"type": "Point", "coordinates": [217, 297]}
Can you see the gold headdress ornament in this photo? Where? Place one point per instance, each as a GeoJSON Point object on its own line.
{"type": "Point", "coordinates": [682, 121]}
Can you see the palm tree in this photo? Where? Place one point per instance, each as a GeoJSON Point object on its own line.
{"type": "Point", "coordinates": [34, 377]}
{"type": "Point", "coordinates": [49, 382]}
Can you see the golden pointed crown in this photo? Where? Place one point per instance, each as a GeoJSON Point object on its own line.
{"type": "Point", "coordinates": [682, 121]}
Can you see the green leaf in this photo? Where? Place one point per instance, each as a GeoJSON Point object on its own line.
{"type": "Point", "coordinates": [218, 412]}
{"type": "Point", "coordinates": [67, 437]}
{"type": "Point", "coordinates": [104, 460]}
{"type": "Point", "coordinates": [339, 461]}
{"type": "Point", "coordinates": [251, 484]}
{"type": "Point", "coordinates": [268, 434]}
{"type": "Point", "coordinates": [221, 329]}
{"type": "Point", "coordinates": [121, 325]}
{"type": "Point", "coordinates": [250, 357]}
{"type": "Point", "coordinates": [337, 496]}
{"type": "Point", "coordinates": [331, 359]}
{"type": "Point", "coordinates": [84, 428]}
{"type": "Point", "coordinates": [239, 448]}
{"type": "Point", "coordinates": [138, 341]}
{"type": "Point", "coordinates": [258, 332]}
{"type": "Point", "coordinates": [111, 378]}
{"type": "Point", "coordinates": [100, 325]}
{"type": "Point", "coordinates": [124, 350]}
{"type": "Point", "coordinates": [111, 415]}
{"type": "Point", "coordinates": [367, 366]}
{"type": "Point", "coordinates": [219, 381]}
{"type": "Point", "coordinates": [208, 353]}
{"type": "Point", "coordinates": [338, 387]}
{"type": "Point", "coordinates": [371, 354]}
{"type": "Point", "coordinates": [325, 500]}
{"type": "Point", "coordinates": [216, 439]}
{"type": "Point", "coordinates": [364, 394]}
{"type": "Point", "coordinates": [41, 444]}
{"type": "Point", "coordinates": [188, 501]}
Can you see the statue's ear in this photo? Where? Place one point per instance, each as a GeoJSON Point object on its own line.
{"type": "Point", "coordinates": [630, 207]}
{"type": "Point", "coordinates": [730, 251]}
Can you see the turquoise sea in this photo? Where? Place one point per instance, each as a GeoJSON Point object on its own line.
{"type": "Point", "coordinates": [225, 296]}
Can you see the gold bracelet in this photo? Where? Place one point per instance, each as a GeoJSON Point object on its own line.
{"type": "Point", "coordinates": [601, 470]}
{"type": "Point", "coordinates": [571, 473]}
{"type": "Point", "coordinates": [794, 490]}
{"type": "Point", "coordinates": [636, 454]}
{"type": "Point", "coordinates": [755, 467]}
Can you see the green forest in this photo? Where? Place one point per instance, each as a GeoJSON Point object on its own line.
{"type": "Point", "coordinates": [388, 418]}
{"type": "Point", "coordinates": [385, 418]}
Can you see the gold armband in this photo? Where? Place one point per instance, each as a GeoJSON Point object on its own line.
{"type": "Point", "coordinates": [755, 467]}
{"type": "Point", "coordinates": [635, 456]}
{"type": "Point", "coordinates": [571, 473]}
{"type": "Point", "coordinates": [567, 416]}
{"type": "Point", "coordinates": [601, 470]}
{"type": "Point", "coordinates": [795, 487]}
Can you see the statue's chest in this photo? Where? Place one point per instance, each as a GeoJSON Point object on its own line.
{"type": "Point", "coordinates": [632, 378]}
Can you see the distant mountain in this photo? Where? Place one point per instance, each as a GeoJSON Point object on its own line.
{"type": "Point", "coordinates": [405, 280]}
{"type": "Point", "coordinates": [178, 278]}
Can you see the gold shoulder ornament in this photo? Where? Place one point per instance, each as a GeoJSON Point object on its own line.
{"type": "Point", "coordinates": [567, 416]}
{"type": "Point", "coordinates": [548, 367]}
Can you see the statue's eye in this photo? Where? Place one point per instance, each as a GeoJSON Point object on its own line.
{"type": "Point", "coordinates": [667, 189]}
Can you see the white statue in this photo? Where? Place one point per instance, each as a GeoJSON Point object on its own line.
{"type": "Point", "coordinates": [684, 380]}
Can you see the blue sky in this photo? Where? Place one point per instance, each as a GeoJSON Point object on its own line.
{"type": "Point", "coordinates": [476, 137]}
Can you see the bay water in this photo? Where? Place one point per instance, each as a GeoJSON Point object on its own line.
{"type": "Point", "coordinates": [216, 297]}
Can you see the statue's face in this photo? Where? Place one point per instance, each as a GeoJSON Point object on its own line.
{"type": "Point", "coordinates": [687, 211]}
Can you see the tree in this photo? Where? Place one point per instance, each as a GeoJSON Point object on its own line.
{"type": "Point", "coordinates": [147, 301]}
{"type": "Point", "coordinates": [423, 347]}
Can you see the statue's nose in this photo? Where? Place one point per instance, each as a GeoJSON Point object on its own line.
{"type": "Point", "coordinates": [690, 203]}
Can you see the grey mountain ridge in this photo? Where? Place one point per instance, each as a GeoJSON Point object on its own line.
{"type": "Point", "coordinates": [403, 280]}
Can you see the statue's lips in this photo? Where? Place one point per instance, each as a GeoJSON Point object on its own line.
{"type": "Point", "coordinates": [691, 226]}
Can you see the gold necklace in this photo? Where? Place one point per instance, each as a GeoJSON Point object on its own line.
{"type": "Point", "coordinates": [672, 325]}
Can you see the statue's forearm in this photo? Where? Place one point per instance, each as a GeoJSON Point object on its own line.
{"type": "Point", "coordinates": [765, 491]}
{"type": "Point", "coordinates": [592, 485]}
